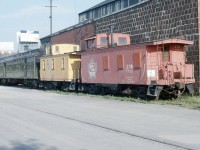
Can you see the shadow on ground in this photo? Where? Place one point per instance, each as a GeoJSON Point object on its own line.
{"type": "Point", "coordinates": [27, 145]}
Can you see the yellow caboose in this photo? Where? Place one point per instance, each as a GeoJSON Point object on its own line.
{"type": "Point", "coordinates": [60, 68]}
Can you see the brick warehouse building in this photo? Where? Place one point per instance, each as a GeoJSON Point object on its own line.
{"type": "Point", "coordinates": [150, 20]}
{"type": "Point", "coordinates": [72, 35]}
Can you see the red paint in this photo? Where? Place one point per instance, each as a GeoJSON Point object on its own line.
{"type": "Point", "coordinates": [153, 66]}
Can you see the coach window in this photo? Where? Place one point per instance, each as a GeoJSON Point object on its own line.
{"type": "Point", "coordinates": [63, 62]}
{"type": "Point", "coordinates": [52, 64]}
{"type": "Point", "coordinates": [120, 62]}
{"type": "Point", "coordinates": [136, 60]}
{"type": "Point", "coordinates": [105, 63]}
{"type": "Point", "coordinates": [43, 64]}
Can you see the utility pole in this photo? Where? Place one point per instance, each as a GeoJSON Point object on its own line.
{"type": "Point", "coordinates": [51, 22]}
{"type": "Point", "coordinates": [51, 16]}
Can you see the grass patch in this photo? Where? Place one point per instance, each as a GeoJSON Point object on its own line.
{"type": "Point", "coordinates": [192, 102]}
{"type": "Point", "coordinates": [184, 101]}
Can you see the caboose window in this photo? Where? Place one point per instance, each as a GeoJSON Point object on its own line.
{"type": "Point", "coordinates": [120, 62]}
{"type": "Point", "coordinates": [57, 48]}
{"type": "Point", "coordinates": [122, 41]}
{"type": "Point", "coordinates": [105, 63]}
{"type": "Point", "coordinates": [166, 53]}
{"type": "Point", "coordinates": [136, 60]}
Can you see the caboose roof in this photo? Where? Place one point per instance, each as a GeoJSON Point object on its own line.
{"type": "Point", "coordinates": [173, 41]}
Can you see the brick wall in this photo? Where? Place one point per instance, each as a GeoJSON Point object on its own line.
{"type": "Point", "coordinates": [74, 36]}
{"type": "Point", "coordinates": [159, 19]}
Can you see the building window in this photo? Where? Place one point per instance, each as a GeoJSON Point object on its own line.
{"type": "Point", "coordinates": [120, 62]}
{"type": "Point", "coordinates": [105, 63]}
{"type": "Point", "coordinates": [91, 15]}
{"type": "Point", "coordinates": [117, 5]}
{"type": "Point", "coordinates": [87, 15]}
{"type": "Point", "coordinates": [88, 44]}
{"type": "Point", "coordinates": [124, 3]}
{"type": "Point", "coordinates": [103, 40]}
{"type": "Point", "coordinates": [97, 13]}
{"type": "Point", "coordinates": [112, 7]}
{"type": "Point", "coordinates": [103, 10]}
{"type": "Point", "coordinates": [133, 2]}
{"type": "Point", "coordinates": [82, 17]}
{"type": "Point", "coordinates": [43, 64]}
{"type": "Point", "coordinates": [108, 9]}
{"type": "Point", "coordinates": [136, 60]}
{"type": "Point", "coordinates": [95, 42]}
{"type": "Point", "coordinates": [52, 67]}
{"type": "Point", "coordinates": [122, 41]}
{"type": "Point", "coordinates": [63, 63]}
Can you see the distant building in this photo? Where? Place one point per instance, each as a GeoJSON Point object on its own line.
{"type": "Point", "coordinates": [27, 40]}
{"type": "Point", "coordinates": [6, 48]}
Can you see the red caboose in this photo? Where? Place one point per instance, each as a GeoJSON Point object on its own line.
{"type": "Point", "coordinates": [142, 70]}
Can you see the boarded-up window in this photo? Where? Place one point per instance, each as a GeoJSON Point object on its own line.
{"type": "Point", "coordinates": [63, 62]}
{"type": "Point", "coordinates": [120, 62]}
{"type": "Point", "coordinates": [43, 64]}
{"type": "Point", "coordinates": [136, 60]}
{"type": "Point", "coordinates": [52, 64]}
{"type": "Point", "coordinates": [105, 63]}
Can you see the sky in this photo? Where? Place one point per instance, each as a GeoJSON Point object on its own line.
{"type": "Point", "coordinates": [16, 15]}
